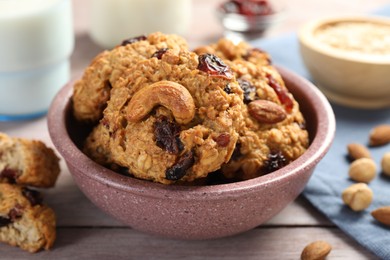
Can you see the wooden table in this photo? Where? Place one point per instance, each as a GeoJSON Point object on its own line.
{"type": "Point", "coordinates": [84, 232]}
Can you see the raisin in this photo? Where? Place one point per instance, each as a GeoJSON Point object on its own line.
{"type": "Point", "coordinates": [178, 170]}
{"type": "Point", "coordinates": [133, 40]}
{"type": "Point", "coordinates": [227, 89]}
{"type": "Point", "coordinates": [281, 93]}
{"type": "Point", "coordinates": [222, 140]}
{"type": "Point", "coordinates": [167, 135]}
{"type": "Point", "coordinates": [249, 90]}
{"type": "Point", "coordinates": [275, 161]}
{"type": "Point", "coordinates": [158, 54]}
{"type": "Point", "coordinates": [4, 221]}
{"type": "Point", "coordinates": [33, 196]}
{"type": "Point", "coordinates": [214, 66]}
{"type": "Point", "coordinates": [15, 213]}
{"type": "Point", "coordinates": [9, 174]}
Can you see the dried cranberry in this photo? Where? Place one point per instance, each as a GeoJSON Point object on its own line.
{"type": "Point", "coordinates": [9, 174]}
{"type": "Point", "coordinates": [133, 40]}
{"type": "Point", "coordinates": [249, 90]}
{"type": "Point", "coordinates": [33, 196]}
{"type": "Point", "coordinates": [167, 135]}
{"type": "Point", "coordinates": [275, 161]}
{"type": "Point", "coordinates": [248, 7]}
{"type": "Point", "coordinates": [179, 169]}
{"type": "Point", "coordinates": [158, 54]}
{"type": "Point", "coordinates": [4, 221]}
{"type": "Point", "coordinates": [222, 140]}
{"type": "Point", "coordinates": [214, 66]}
{"type": "Point", "coordinates": [281, 92]}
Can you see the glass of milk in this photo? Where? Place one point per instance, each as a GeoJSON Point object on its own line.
{"type": "Point", "coordinates": [36, 41]}
{"type": "Point", "coordinates": [112, 21]}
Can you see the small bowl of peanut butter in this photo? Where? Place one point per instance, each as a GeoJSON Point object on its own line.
{"type": "Point", "coordinates": [348, 59]}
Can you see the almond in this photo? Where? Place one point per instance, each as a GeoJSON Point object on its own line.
{"type": "Point", "coordinates": [385, 163]}
{"type": "Point", "coordinates": [362, 170]}
{"type": "Point", "coordinates": [382, 214]}
{"type": "Point", "coordinates": [380, 135]}
{"type": "Point", "coordinates": [316, 250]}
{"type": "Point", "coordinates": [357, 151]}
{"type": "Point", "coordinates": [265, 111]}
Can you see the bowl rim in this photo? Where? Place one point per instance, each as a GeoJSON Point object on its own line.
{"type": "Point", "coordinates": [320, 144]}
{"type": "Point", "coordinates": [306, 37]}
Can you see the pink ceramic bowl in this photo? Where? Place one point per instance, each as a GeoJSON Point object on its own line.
{"type": "Point", "coordinates": [188, 212]}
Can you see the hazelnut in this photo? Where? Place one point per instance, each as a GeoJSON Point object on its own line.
{"type": "Point", "coordinates": [362, 170]}
{"type": "Point", "coordinates": [385, 163]}
{"type": "Point", "coordinates": [357, 196]}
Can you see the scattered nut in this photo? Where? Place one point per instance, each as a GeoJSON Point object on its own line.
{"type": "Point", "coordinates": [380, 135]}
{"type": "Point", "coordinates": [265, 111]}
{"type": "Point", "coordinates": [385, 163]}
{"type": "Point", "coordinates": [357, 196]}
{"type": "Point", "coordinates": [357, 151]}
{"type": "Point", "coordinates": [362, 170]}
{"type": "Point", "coordinates": [317, 250]}
{"type": "Point", "coordinates": [169, 94]}
{"type": "Point", "coordinates": [382, 214]}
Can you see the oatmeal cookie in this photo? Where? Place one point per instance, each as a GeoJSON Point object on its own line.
{"type": "Point", "coordinates": [24, 221]}
{"type": "Point", "coordinates": [27, 162]}
{"type": "Point", "coordinates": [274, 132]}
{"type": "Point", "coordinates": [92, 91]}
{"type": "Point", "coordinates": [169, 118]}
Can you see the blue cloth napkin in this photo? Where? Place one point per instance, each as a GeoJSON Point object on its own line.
{"type": "Point", "coordinates": [330, 177]}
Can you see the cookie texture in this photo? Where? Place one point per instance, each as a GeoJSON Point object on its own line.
{"type": "Point", "coordinates": [27, 162]}
{"type": "Point", "coordinates": [24, 221]}
{"type": "Point", "coordinates": [172, 115]}
{"type": "Point", "coordinates": [274, 132]}
{"type": "Point", "coordinates": [166, 118]}
{"type": "Point", "coordinates": [109, 68]}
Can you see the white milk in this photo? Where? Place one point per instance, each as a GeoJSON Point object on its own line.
{"type": "Point", "coordinates": [112, 21]}
{"type": "Point", "coordinates": [30, 92]}
{"type": "Point", "coordinates": [36, 41]}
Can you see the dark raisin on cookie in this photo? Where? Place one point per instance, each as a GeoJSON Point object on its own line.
{"type": "Point", "coordinates": [227, 89]}
{"type": "Point", "coordinates": [275, 161]}
{"type": "Point", "coordinates": [179, 169]}
{"type": "Point", "coordinates": [159, 53]}
{"type": "Point", "coordinates": [167, 135]}
{"type": "Point", "coordinates": [15, 213]}
{"type": "Point", "coordinates": [133, 40]}
{"type": "Point", "coordinates": [9, 174]}
{"type": "Point", "coordinates": [248, 89]}
{"type": "Point", "coordinates": [214, 66]}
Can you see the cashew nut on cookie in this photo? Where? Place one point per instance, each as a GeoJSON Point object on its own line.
{"type": "Point", "coordinates": [169, 94]}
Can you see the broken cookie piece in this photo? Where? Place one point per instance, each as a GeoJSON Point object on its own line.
{"type": "Point", "coordinates": [24, 221]}
{"type": "Point", "coordinates": [27, 162]}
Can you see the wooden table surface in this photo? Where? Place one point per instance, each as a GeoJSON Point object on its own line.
{"type": "Point", "coordinates": [84, 232]}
